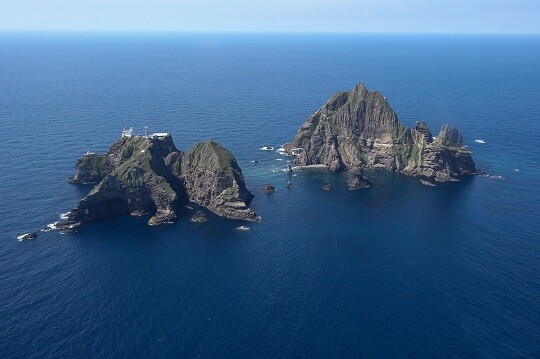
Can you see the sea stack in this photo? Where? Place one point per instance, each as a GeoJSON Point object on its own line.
{"type": "Point", "coordinates": [358, 129]}
{"type": "Point", "coordinates": [356, 179]}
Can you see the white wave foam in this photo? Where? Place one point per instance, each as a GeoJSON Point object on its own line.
{"type": "Point", "coordinates": [282, 151]}
{"type": "Point", "coordinates": [492, 176]}
{"type": "Point", "coordinates": [50, 227]}
{"type": "Point", "coordinates": [479, 141]}
{"type": "Point", "coordinates": [64, 215]}
{"type": "Point", "coordinates": [21, 237]}
{"type": "Point", "coordinates": [242, 229]}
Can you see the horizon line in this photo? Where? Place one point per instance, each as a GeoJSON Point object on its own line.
{"type": "Point", "coordinates": [250, 32]}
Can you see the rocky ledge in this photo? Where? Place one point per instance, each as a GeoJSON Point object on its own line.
{"type": "Point", "coordinates": [141, 175]}
{"type": "Point", "coordinates": [358, 129]}
{"type": "Point", "coordinates": [199, 217]}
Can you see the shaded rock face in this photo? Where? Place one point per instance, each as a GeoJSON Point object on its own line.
{"type": "Point", "coordinates": [424, 131]}
{"type": "Point", "coordinates": [359, 129]}
{"type": "Point", "coordinates": [90, 168]}
{"type": "Point", "coordinates": [212, 179]}
{"type": "Point", "coordinates": [450, 136]}
{"type": "Point", "coordinates": [140, 175]}
{"type": "Point", "coordinates": [356, 179]}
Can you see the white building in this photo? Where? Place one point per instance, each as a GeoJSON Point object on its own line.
{"type": "Point", "coordinates": [159, 135]}
{"type": "Point", "coordinates": [127, 133]}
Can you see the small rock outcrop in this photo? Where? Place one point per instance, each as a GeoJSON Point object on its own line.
{"type": "Point", "coordinates": [268, 188]}
{"type": "Point", "coordinates": [427, 183]}
{"type": "Point", "coordinates": [359, 129]}
{"type": "Point", "coordinates": [199, 217]}
{"type": "Point", "coordinates": [141, 175]}
{"type": "Point", "coordinates": [356, 179]}
{"type": "Point", "coordinates": [26, 236]}
{"type": "Point", "coordinates": [327, 186]}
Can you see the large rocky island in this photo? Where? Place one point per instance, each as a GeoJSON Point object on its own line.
{"type": "Point", "coordinates": [147, 174]}
{"type": "Point", "coordinates": [358, 129]}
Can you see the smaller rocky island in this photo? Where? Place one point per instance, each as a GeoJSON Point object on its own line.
{"type": "Point", "coordinates": [142, 175]}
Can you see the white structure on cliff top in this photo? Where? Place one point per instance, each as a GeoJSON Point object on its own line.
{"type": "Point", "coordinates": [127, 133]}
{"type": "Point", "coordinates": [157, 135]}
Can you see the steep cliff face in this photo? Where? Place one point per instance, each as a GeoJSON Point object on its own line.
{"type": "Point", "coordinates": [442, 159]}
{"type": "Point", "coordinates": [139, 175]}
{"type": "Point", "coordinates": [212, 179]}
{"type": "Point", "coordinates": [90, 168]}
{"type": "Point", "coordinates": [359, 129]}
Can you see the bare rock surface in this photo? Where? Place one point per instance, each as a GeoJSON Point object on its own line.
{"type": "Point", "coordinates": [199, 217]}
{"type": "Point", "coordinates": [268, 188]}
{"type": "Point", "coordinates": [356, 179]}
{"type": "Point", "coordinates": [359, 129]}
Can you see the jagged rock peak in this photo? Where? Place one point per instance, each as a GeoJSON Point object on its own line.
{"type": "Point", "coordinates": [341, 98]}
{"type": "Point", "coordinates": [450, 136]}
{"type": "Point", "coordinates": [366, 111]}
{"type": "Point", "coordinates": [423, 129]}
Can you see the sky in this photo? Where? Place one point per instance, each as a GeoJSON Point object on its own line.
{"type": "Point", "coordinates": [365, 16]}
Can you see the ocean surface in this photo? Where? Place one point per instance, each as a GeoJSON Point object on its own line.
{"type": "Point", "coordinates": [399, 270]}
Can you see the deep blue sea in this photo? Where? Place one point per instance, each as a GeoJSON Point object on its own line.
{"type": "Point", "coordinates": [399, 270]}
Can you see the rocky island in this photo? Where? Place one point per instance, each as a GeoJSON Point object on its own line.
{"type": "Point", "coordinates": [358, 129]}
{"type": "Point", "coordinates": [147, 174]}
